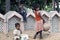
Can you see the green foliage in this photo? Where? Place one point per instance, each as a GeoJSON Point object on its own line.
{"type": "Point", "coordinates": [41, 3]}
{"type": "Point", "coordinates": [48, 8]}
{"type": "Point", "coordinates": [29, 3]}
{"type": "Point", "coordinates": [2, 5]}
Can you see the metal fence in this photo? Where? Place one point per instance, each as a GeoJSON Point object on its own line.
{"type": "Point", "coordinates": [7, 21]}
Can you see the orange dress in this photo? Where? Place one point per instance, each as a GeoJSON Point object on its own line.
{"type": "Point", "coordinates": [39, 22]}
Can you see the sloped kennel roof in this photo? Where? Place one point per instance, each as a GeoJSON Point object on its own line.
{"type": "Point", "coordinates": [44, 13]}
{"type": "Point", "coordinates": [53, 13]}
{"type": "Point", "coordinates": [2, 16]}
{"type": "Point", "coordinates": [30, 12]}
{"type": "Point", "coordinates": [10, 14]}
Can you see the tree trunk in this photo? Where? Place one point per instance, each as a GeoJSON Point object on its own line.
{"type": "Point", "coordinates": [0, 1]}
{"type": "Point", "coordinates": [53, 5]}
{"type": "Point", "coordinates": [7, 5]}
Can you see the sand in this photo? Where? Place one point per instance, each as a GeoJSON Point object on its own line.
{"type": "Point", "coordinates": [46, 35]}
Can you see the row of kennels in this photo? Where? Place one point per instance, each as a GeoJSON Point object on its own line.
{"type": "Point", "coordinates": [7, 21]}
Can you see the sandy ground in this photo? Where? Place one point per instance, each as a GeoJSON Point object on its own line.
{"type": "Point", "coordinates": [46, 36]}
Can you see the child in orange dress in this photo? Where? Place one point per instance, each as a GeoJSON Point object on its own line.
{"type": "Point", "coordinates": [39, 22]}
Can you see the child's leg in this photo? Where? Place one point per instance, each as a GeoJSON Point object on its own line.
{"type": "Point", "coordinates": [24, 19]}
{"type": "Point", "coordinates": [41, 34]}
{"type": "Point", "coordinates": [36, 35]}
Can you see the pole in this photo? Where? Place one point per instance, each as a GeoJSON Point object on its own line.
{"type": "Point", "coordinates": [57, 2]}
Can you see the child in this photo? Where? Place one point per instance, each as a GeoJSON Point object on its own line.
{"type": "Point", "coordinates": [22, 11]}
{"type": "Point", "coordinates": [17, 32]}
{"type": "Point", "coordinates": [39, 21]}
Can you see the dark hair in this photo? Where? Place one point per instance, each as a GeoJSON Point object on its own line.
{"type": "Point", "coordinates": [35, 5]}
{"type": "Point", "coordinates": [17, 24]}
{"type": "Point", "coordinates": [22, 1]}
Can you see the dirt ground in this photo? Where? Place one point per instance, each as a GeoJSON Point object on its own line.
{"type": "Point", "coordinates": [46, 36]}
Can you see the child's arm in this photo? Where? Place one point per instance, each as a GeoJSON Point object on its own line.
{"type": "Point", "coordinates": [21, 31]}
{"type": "Point", "coordinates": [42, 18]}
